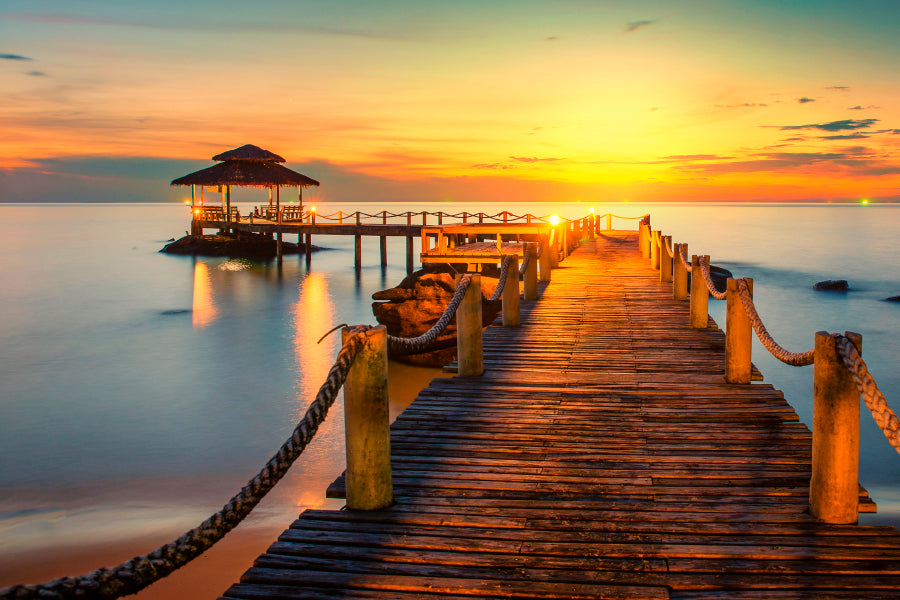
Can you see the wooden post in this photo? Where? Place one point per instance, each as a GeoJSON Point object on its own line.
{"type": "Point", "coordinates": [646, 241]}
{"type": "Point", "coordinates": [510, 294]}
{"type": "Point", "coordinates": [679, 275]}
{"type": "Point", "coordinates": [609, 221]}
{"type": "Point", "coordinates": [468, 330]}
{"type": "Point", "coordinates": [357, 251]}
{"type": "Point", "coordinates": [545, 262]}
{"type": "Point", "coordinates": [665, 258]}
{"type": "Point", "coordinates": [279, 249]}
{"type": "Point", "coordinates": [409, 254]}
{"type": "Point", "coordinates": [554, 248]}
{"type": "Point", "coordinates": [367, 425]}
{"type": "Point", "coordinates": [531, 291]}
{"type": "Point", "coordinates": [738, 334]}
{"type": "Point", "coordinates": [834, 485]}
{"type": "Point", "coordinates": [383, 244]}
{"type": "Point", "coordinates": [308, 244]}
{"type": "Point", "coordinates": [699, 296]}
{"type": "Point", "coordinates": [654, 249]}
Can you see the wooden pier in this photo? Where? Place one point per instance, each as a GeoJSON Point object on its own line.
{"type": "Point", "coordinates": [601, 455]}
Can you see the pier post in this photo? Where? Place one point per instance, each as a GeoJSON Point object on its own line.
{"type": "Point", "coordinates": [409, 254]}
{"type": "Point", "coordinates": [834, 485]}
{"type": "Point", "coordinates": [654, 249]}
{"type": "Point", "coordinates": [279, 245]}
{"type": "Point", "coordinates": [367, 425]}
{"type": "Point", "coordinates": [531, 291]}
{"type": "Point", "coordinates": [699, 296]}
{"type": "Point", "coordinates": [308, 244]}
{"type": "Point", "coordinates": [609, 221]}
{"type": "Point", "coordinates": [738, 335]}
{"type": "Point", "coordinates": [646, 241]}
{"type": "Point", "coordinates": [554, 249]}
{"type": "Point", "coordinates": [544, 259]}
{"type": "Point", "coordinates": [510, 294]}
{"type": "Point", "coordinates": [665, 258]}
{"type": "Point", "coordinates": [383, 244]}
{"type": "Point", "coordinates": [679, 275]}
{"type": "Point", "coordinates": [357, 251]}
{"type": "Point", "coordinates": [469, 344]}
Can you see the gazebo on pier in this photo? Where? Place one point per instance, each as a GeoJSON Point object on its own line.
{"type": "Point", "coordinates": [247, 166]}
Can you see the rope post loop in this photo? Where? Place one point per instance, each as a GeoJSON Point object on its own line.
{"type": "Point", "coordinates": [544, 259]}
{"type": "Point", "coordinates": [510, 294]}
{"type": "Point", "coordinates": [834, 485]}
{"type": "Point", "coordinates": [679, 274]}
{"type": "Point", "coordinates": [470, 356]}
{"type": "Point", "coordinates": [367, 424]}
{"type": "Point", "coordinates": [531, 274]}
{"type": "Point", "coordinates": [699, 296]}
{"type": "Point", "coordinates": [654, 249]}
{"type": "Point", "coordinates": [665, 258]}
{"type": "Point", "coordinates": [738, 334]}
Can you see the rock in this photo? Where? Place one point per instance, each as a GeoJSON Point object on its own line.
{"type": "Point", "coordinates": [417, 303]}
{"type": "Point", "coordinates": [892, 299]}
{"type": "Point", "coordinates": [719, 276]}
{"type": "Point", "coordinates": [832, 285]}
{"type": "Point", "coordinates": [244, 245]}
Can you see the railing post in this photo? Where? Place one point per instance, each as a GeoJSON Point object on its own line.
{"type": "Point", "coordinates": [367, 425]}
{"type": "Point", "coordinates": [665, 258]}
{"type": "Point", "coordinates": [554, 248]}
{"type": "Point", "coordinates": [679, 274]}
{"type": "Point", "coordinates": [834, 485]}
{"type": "Point", "coordinates": [545, 262]}
{"type": "Point", "coordinates": [609, 221]}
{"type": "Point", "coordinates": [469, 347]}
{"type": "Point", "coordinates": [738, 334]}
{"type": "Point", "coordinates": [646, 242]}
{"type": "Point", "coordinates": [531, 291]}
{"type": "Point", "coordinates": [510, 294]}
{"type": "Point", "coordinates": [654, 249]}
{"type": "Point", "coordinates": [699, 296]}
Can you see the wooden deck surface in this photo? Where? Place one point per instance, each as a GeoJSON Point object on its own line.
{"type": "Point", "coordinates": [600, 456]}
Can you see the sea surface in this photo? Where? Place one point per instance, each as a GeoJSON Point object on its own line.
{"type": "Point", "coordinates": [139, 390]}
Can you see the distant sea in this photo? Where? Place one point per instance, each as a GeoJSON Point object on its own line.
{"type": "Point", "coordinates": [139, 391]}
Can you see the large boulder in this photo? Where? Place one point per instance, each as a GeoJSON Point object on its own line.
{"type": "Point", "coordinates": [417, 303]}
{"type": "Point", "coordinates": [832, 285]}
{"type": "Point", "coordinates": [243, 245]}
{"type": "Point", "coordinates": [719, 276]}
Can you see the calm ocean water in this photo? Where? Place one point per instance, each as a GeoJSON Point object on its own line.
{"type": "Point", "coordinates": [138, 390]}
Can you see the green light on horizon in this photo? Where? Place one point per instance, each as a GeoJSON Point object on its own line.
{"type": "Point", "coordinates": [864, 201]}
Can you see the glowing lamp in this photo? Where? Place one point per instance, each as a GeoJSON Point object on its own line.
{"type": "Point", "coordinates": [554, 220]}
{"type": "Point", "coordinates": [313, 209]}
{"type": "Point", "coordinates": [196, 211]}
{"type": "Point", "coordinates": [592, 210]}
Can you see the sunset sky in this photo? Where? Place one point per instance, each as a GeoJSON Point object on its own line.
{"type": "Point", "coordinates": [456, 100]}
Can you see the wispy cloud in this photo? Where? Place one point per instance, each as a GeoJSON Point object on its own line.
{"type": "Point", "coordinates": [841, 88]}
{"type": "Point", "coordinates": [846, 136]}
{"type": "Point", "coordinates": [36, 73]}
{"type": "Point", "coordinates": [551, 38]}
{"type": "Point", "coordinates": [492, 166]}
{"type": "Point", "coordinates": [805, 99]}
{"type": "Point", "coordinates": [692, 157]}
{"type": "Point", "coordinates": [635, 25]}
{"type": "Point", "coordinates": [742, 105]}
{"type": "Point", "coordinates": [532, 159]}
{"type": "Point", "coordinates": [842, 125]}
{"type": "Point", "coordinates": [14, 57]}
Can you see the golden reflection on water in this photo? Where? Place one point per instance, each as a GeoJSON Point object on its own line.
{"type": "Point", "coordinates": [203, 310]}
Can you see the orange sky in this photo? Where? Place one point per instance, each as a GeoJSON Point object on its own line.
{"type": "Point", "coordinates": [566, 100]}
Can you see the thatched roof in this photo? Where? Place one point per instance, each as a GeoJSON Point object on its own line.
{"type": "Point", "coordinates": [249, 152]}
{"type": "Point", "coordinates": [248, 173]}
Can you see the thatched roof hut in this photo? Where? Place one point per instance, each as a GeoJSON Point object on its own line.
{"type": "Point", "coordinates": [248, 166]}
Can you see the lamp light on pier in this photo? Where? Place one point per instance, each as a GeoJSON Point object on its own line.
{"type": "Point", "coordinates": [554, 220]}
{"type": "Point", "coordinates": [591, 209]}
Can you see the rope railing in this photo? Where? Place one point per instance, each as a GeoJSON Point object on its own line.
{"type": "Point", "coordinates": [139, 572]}
{"type": "Point", "coordinates": [796, 359]}
{"type": "Point", "coordinates": [682, 256]}
{"type": "Point", "coordinates": [504, 274]}
{"type": "Point", "coordinates": [875, 401]}
{"type": "Point", "coordinates": [715, 293]}
{"type": "Point", "coordinates": [401, 345]}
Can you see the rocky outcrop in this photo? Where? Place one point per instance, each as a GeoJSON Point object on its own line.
{"type": "Point", "coordinates": [832, 285]}
{"type": "Point", "coordinates": [892, 299]}
{"type": "Point", "coordinates": [416, 304]}
{"type": "Point", "coordinates": [244, 245]}
{"type": "Point", "coordinates": [719, 277]}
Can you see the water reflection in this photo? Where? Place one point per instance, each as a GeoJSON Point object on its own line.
{"type": "Point", "coordinates": [203, 309]}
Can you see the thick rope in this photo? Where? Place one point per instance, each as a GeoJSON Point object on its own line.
{"type": "Point", "coordinates": [525, 260]}
{"type": "Point", "coordinates": [873, 397]}
{"type": "Point", "coordinates": [134, 575]}
{"type": "Point", "coordinates": [682, 256]}
{"type": "Point", "coordinates": [504, 275]}
{"type": "Point", "coordinates": [704, 268]}
{"type": "Point", "coordinates": [423, 342]}
{"type": "Point", "coordinates": [797, 359]}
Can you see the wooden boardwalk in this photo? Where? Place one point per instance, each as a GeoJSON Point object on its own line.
{"type": "Point", "coordinates": [600, 456]}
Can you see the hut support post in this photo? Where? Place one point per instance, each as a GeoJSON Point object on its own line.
{"type": "Point", "coordinates": [531, 290]}
{"type": "Point", "coordinates": [279, 246]}
{"type": "Point", "coordinates": [382, 240]}
{"type": "Point", "coordinates": [409, 254]}
{"type": "Point", "coordinates": [468, 330]}
{"type": "Point", "coordinates": [834, 485]}
{"type": "Point", "coordinates": [510, 294]}
{"type": "Point", "coordinates": [357, 251]}
{"type": "Point", "coordinates": [699, 296]}
{"type": "Point", "coordinates": [679, 274]}
{"type": "Point", "coordinates": [367, 425]}
{"type": "Point", "coordinates": [738, 335]}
